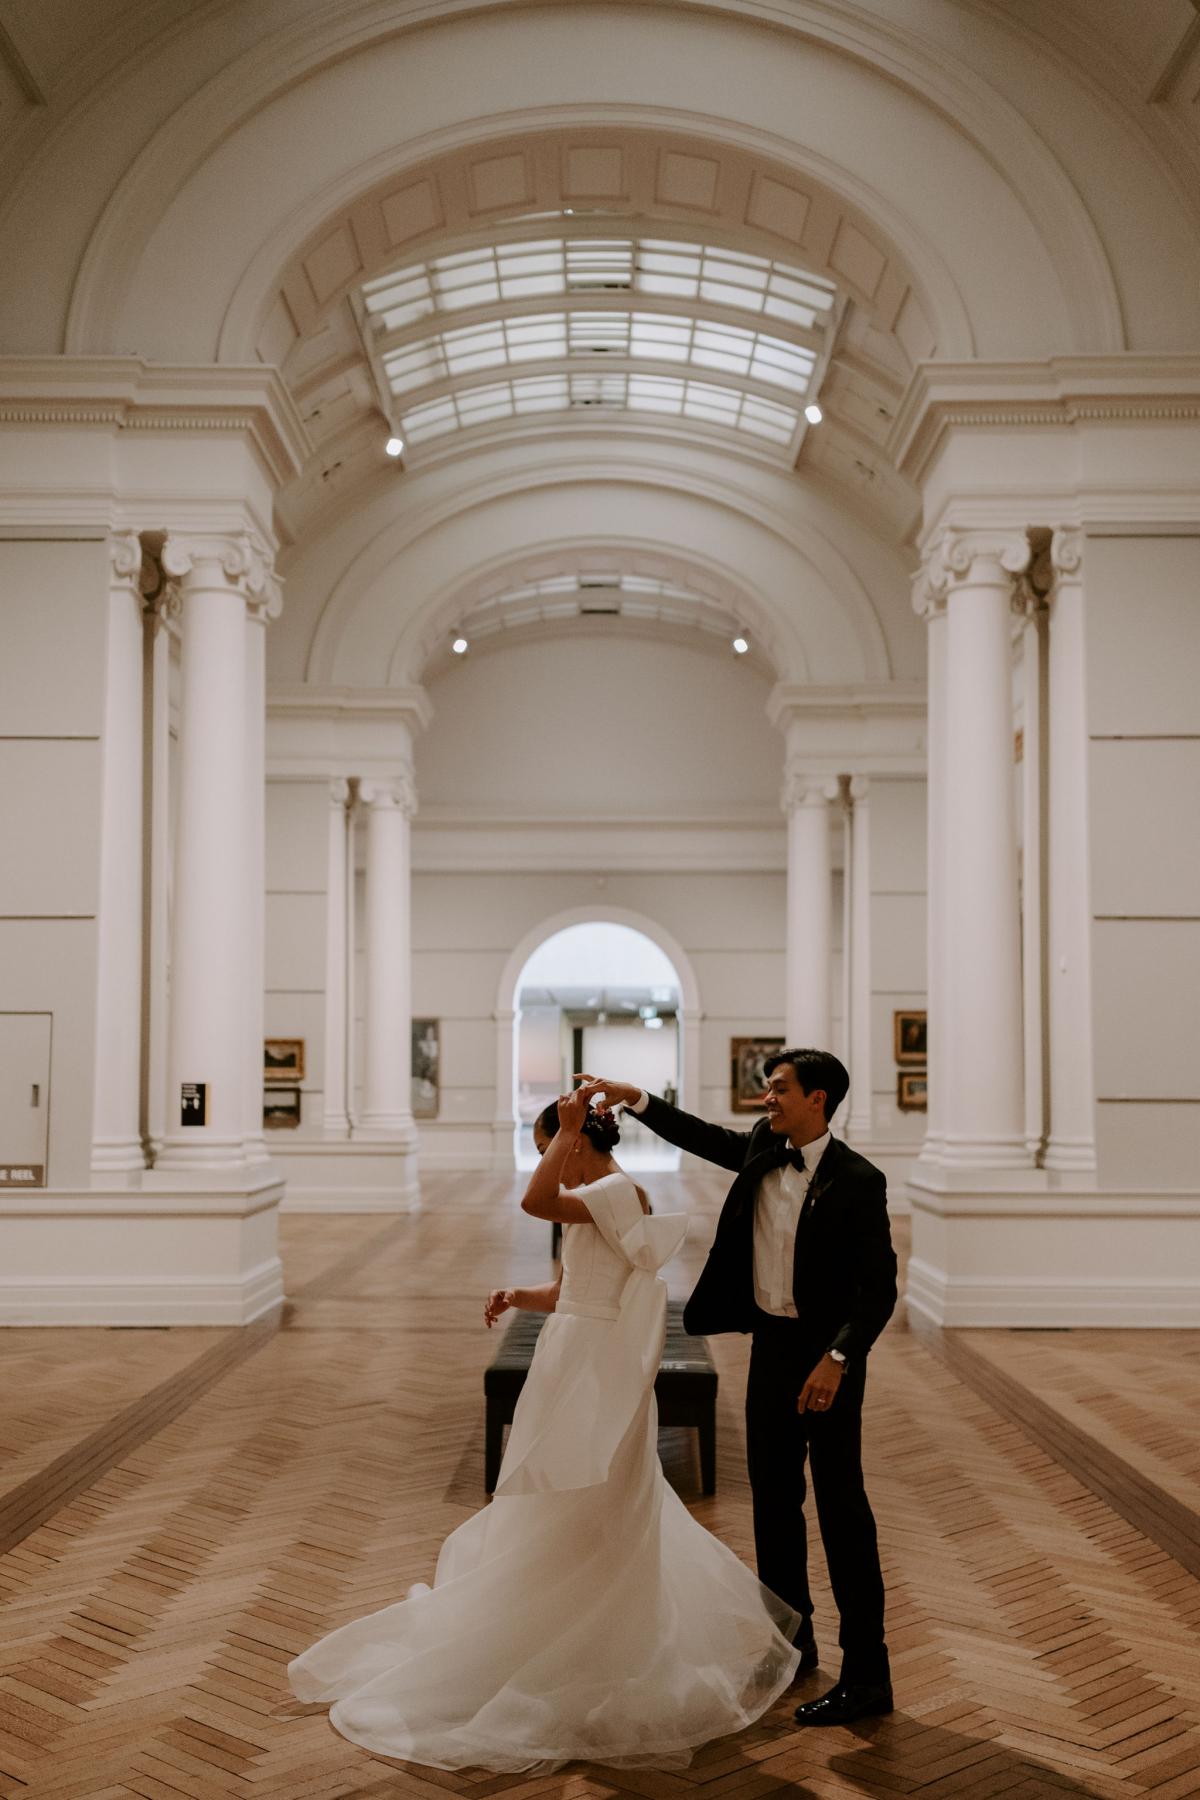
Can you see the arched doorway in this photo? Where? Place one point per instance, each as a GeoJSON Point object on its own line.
{"type": "Point", "coordinates": [608, 986]}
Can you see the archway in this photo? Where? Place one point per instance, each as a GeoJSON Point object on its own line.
{"type": "Point", "coordinates": [571, 969]}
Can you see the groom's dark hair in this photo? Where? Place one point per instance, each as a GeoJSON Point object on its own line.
{"type": "Point", "coordinates": [814, 1069]}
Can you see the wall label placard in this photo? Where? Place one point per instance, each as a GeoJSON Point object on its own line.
{"type": "Point", "coordinates": [193, 1102]}
{"type": "Point", "coordinates": [20, 1175]}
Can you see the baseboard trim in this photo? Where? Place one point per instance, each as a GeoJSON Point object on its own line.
{"type": "Point", "coordinates": [154, 1300]}
{"type": "Point", "coordinates": [1029, 1301]}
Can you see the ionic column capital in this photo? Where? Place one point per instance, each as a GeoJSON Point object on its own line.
{"type": "Point", "coordinates": [1066, 552]}
{"type": "Point", "coordinates": [397, 793]}
{"type": "Point", "coordinates": [243, 559]}
{"type": "Point", "coordinates": [801, 787]}
{"type": "Point", "coordinates": [858, 788]}
{"type": "Point", "coordinates": [339, 794]}
{"type": "Point", "coordinates": [125, 559]}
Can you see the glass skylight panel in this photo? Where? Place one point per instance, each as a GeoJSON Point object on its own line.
{"type": "Point", "coordinates": [671, 395]}
{"type": "Point", "coordinates": [482, 277]}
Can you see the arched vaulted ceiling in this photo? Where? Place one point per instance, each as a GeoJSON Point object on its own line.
{"type": "Point", "coordinates": [636, 239]}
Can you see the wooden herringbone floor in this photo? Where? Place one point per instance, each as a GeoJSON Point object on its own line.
{"type": "Point", "coordinates": [180, 1512]}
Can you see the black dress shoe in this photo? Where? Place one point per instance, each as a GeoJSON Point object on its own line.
{"type": "Point", "coordinates": [846, 1702]}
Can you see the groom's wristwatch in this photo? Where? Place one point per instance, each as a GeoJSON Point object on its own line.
{"type": "Point", "coordinates": [839, 1357]}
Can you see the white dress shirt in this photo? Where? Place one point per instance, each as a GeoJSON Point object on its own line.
{"type": "Point", "coordinates": [777, 1209]}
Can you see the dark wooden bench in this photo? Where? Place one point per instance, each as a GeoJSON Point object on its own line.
{"type": "Point", "coordinates": [686, 1386]}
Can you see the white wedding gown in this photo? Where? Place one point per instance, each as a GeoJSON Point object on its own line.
{"type": "Point", "coordinates": [584, 1614]}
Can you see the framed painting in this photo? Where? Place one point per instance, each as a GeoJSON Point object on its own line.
{"type": "Point", "coordinates": [746, 1078]}
{"type": "Point", "coordinates": [911, 1038]}
{"type": "Point", "coordinates": [912, 1090]}
{"type": "Point", "coordinates": [426, 1067]}
{"type": "Point", "coordinates": [283, 1059]}
{"type": "Point", "coordinates": [281, 1108]}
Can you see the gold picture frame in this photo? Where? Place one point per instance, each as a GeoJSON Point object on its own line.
{"type": "Point", "coordinates": [912, 1090]}
{"type": "Point", "coordinates": [910, 1031]}
{"type": "Point", "coordinates": [281, 1108]}
{"type": "Point", "coordinates": [746, 1080]}
{"type": "Point", "coordinates": [283, 1059]}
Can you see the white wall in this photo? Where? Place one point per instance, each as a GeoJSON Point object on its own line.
{"type": "Point", "coordinates": [53, 596]}
{"type": "Point", "coordinates": [1143, 652]}
{"type": "Point", "coordinates": [296, 858]}
{"type": "Point", "coordinates": [898, 943]}
{"type": "Point", "coordinates": [599, 726]}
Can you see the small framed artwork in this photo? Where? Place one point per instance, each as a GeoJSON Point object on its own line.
{"type": "Point", "coordinates": [426, 1067]}
{"type": "Point", "coordinates": [911, 1037]}
{"type": "Point", "coordinates": [281, 1108]}
{"type": "Point", "coordinates": [912, 1090]}
{"type": "Point", "coordinates": [283, 1059]}
{"type": "Point", "coordinates": [746, 1077]}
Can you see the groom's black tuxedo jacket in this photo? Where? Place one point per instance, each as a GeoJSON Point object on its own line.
{"type": "Point", "coordinates": [844, 1272]}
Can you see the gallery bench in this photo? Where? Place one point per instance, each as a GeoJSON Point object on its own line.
{"type": "Point", "coordinates": [686, 1388]}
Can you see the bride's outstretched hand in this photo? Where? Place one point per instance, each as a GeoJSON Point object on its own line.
{"type": "Point", "coordinates": [616, 1093]}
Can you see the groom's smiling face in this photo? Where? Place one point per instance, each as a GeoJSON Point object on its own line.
{"type": "Point", "coordinates": [792, 1113]}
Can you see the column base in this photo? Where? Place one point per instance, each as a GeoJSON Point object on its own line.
{"type": "Point", "coordinates": [1049, 1251]}
{"type": "Point", "coordinates": [159, 1255]}
{"type": "Point", "coordinates": [118, 1162]}
{"type": "Point", "coordinates": [350, 1175]}
{"type": "Point", "coordinates": [504, 1146]}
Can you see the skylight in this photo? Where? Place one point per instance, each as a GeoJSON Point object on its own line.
{"type": "Point", "coordinates": [522, 271]}
{"type": "Point", "coordinates": [669, 395]}
{"type": "Point", "coordinates": [545, 337]}
{"type": "Point", "coordinates": [651, 599]}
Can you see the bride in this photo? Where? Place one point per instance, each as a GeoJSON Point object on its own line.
{"type": "Point", "coordinates": [584, 1614]}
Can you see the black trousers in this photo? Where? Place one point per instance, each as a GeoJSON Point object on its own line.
{"type": "Point", "coordinates": [779, 1441]}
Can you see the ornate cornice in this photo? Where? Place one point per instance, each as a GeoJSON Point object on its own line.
{"type": "Point", "coordinates": [118, 393]}
{"type": "Point", "coordinates": [1063, 393]}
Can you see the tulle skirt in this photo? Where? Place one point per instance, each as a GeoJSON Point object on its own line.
{"type": "Point", "coordinates": [597, 1623]}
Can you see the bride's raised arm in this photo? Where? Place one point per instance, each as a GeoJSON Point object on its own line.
{"type": "Point", "coordinates": [544, 1198]}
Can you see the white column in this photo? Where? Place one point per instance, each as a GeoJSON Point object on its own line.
{"type": "Point", "coordinates": [1032, 614]}
{"type": "Point", "coordinates": [1072, 1139]}
{"type": "Point", "coordinates": [159, 623]}
{"type": "Point", "coordinates": [984, 1116]}
{"type": "Point", "coordinates": [504, 1124]}
{"type": "Point", "coordinates": [387, 1078]}
{"type": "Point", "coordinates": [858, 1124]}
{"type": "Point", "coordinates": [336, 1117]}
{"type": "Point", "coordinates": [117, 1149]}
{"type": "Point", "coordinates": [806, 800]}
{"type": "Point", "coordinates": [929, 603]}
{"type": "Point", "coordinates": [260, 608]}
{"type": "Point", "coordinates": [212, 1011]}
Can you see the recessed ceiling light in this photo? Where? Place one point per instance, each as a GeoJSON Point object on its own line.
{"type": "Point", "coordinates": [813, 413]}
{"type": "Point", "coordinates": [394, 446]}
{"type": "Point", "coordinates": [741, 645]}
{"type": "Point", "coordinates": [459, 646]}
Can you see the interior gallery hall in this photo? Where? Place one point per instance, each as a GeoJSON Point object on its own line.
{"type": "Point", "coordinates": [617, 536]}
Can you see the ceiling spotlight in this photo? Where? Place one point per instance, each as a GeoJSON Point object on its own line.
{"type": "Point", "coordinates": [394, 446]}
{"type": "Point", "coordinates": [813, 413]}
{"type": "Point", "coordinates": [741, 645]}
{"type": "Point", "coordinates": [460, 646]}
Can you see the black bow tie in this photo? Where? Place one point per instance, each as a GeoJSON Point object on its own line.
{"type": "Point", "coordinates": [785, 1154]}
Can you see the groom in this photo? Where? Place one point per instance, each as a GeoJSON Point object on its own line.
{"type": "Point", "coordinates": [803, 1260]}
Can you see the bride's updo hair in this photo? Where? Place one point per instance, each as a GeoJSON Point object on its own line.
{"type": "Point", "coordinates": [601, 1129]}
